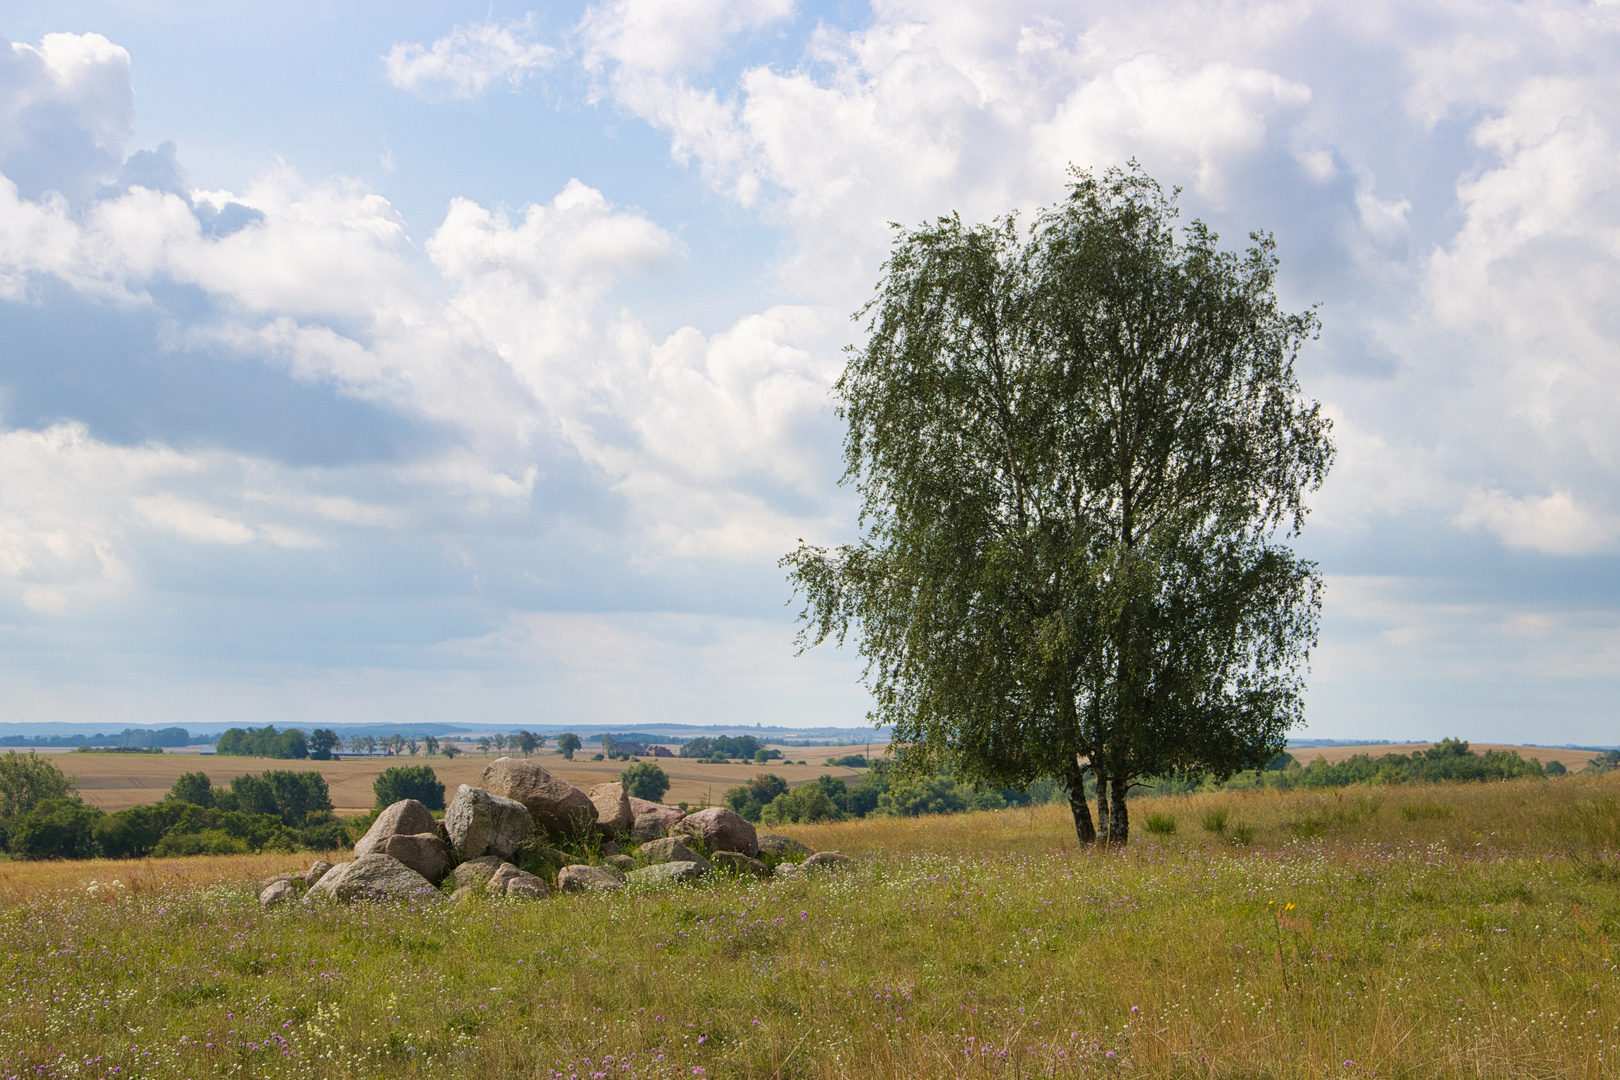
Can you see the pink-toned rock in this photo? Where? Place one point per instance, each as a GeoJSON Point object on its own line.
{"type": "Point", "coordinates": [827, 860]}
{"type": "Point", "coordinates": [558, 808]}
{"type": "Point", "coordinates": [613, 814]}
{"type": "Point", "coordinates": [423, 852]}
{"type": "Point", "coordinates": [576, 879]}
{"type": "Point", "coordinates": [404, 818]}
{"type": "Point", "coordinates": [721, 829]}
{"type": "Point", "coordinates": [668, 814]}
{"type": "Point", "coordinates": [508, 880]}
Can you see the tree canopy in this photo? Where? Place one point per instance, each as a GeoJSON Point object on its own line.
{"type": "Point", "coordinates": [1081, 448]}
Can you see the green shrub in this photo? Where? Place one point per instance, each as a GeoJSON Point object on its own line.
{"type": "Point", "coordinates": [206, 842]}
{"type": "Point", "coordinates": [1215, 819]}
{"type": "Point", "coordinates": [26, 780]}
{"type": "Point", "coordinates": [262, 742]}
{"type": "Point", "coordinates": [1555, 768]}
{"type": "Point", "coordinates": [290, 794]}
{"type": "Point", "coordinates": [750, 800]}
{"type": "Point", "coordinates": [194, 788]}
{"type": "Point", "coordinates": [804, 804]}
{"type": "Point", "coordinates": [417, 782]}
{"type": "Point", "coordinates": [1161, 824]}
{"type": "Point", "coordinates": [56, 829]}
{"type": "Point", "coordinates": [644, 780]}
{"type": "Point", "coordinates": [1242, 835]}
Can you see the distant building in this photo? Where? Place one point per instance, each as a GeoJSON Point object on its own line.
{"type": "Point", "coordinates": [634, 749]}
{"type": "Point", "coordinates": [661, 751]}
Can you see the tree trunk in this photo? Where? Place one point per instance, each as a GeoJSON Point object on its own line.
{"type": "Point", "coordinates": [1084, 831]}
{"type": "Point", "coordinates": [1119, 819]}
{"type": "Point", "coordinates": [1103, 835]}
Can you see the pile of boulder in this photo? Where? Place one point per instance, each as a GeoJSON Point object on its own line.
{"type": "Point", "coordinates": [407, 854]}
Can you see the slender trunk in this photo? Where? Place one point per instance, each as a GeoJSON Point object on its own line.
{"type": "Point", "coordinates": [1119, 819]}
{"type": "Point", "coordinates": [1084, 831]}
{"type": "Point", "coordinates": [1103, 835]}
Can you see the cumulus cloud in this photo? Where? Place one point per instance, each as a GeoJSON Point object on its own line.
{"type": "Point", "coordinates": [66, 112]}
{"type": "Point", "coordinates": [464, 62]}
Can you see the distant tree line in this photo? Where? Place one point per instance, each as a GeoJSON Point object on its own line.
{"type": "Point", "coordinates": [43, 817]}
{"type": "Point", "coordinates": [727, 748]}
{"type": "Point", "coordinates": [169, 736]}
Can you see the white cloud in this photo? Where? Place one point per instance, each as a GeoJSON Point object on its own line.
{"type": "Point", "coordinates": [667, 36]}
{"type": "Point", "coordinates": [66, 112]}
{"type": "Point", "coordinates": [1556, 524]}
{"type": "Point", "coordinates": [465, 61]}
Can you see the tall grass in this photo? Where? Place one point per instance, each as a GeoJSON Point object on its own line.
{"type": "Point", "coordinates": [1350, 940]}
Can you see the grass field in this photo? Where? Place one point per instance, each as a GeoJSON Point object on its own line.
{"type": "Point", "coordinates": [1456, 931]}
{"type": "Point", "coordinates": [1573, 760]}
{"type": "Point", "coordinates": [119, 781]}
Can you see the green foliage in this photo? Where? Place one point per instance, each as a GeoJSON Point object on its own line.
{"type": "Point", "coordinates": [1555, 768]}
{"type": "Point", "coordinates": [1161, 824]}
{"type": "Point", "coordinates": [1076, 453]}
{"type": "Point", "coordinates": [752, 798]}
{"type": "Point", "coordinates": [26, 780]}
{"type": "Point", "coordinates": [417, 782]}
{"type": "Point", "coordinates": [1215, 819]}
{"type": "Point", "coordinates": [645, 780]}
{"type": "Point", "coordinates": [263, 742]}
{"type": "Point", "coordinates": [804, 805]}
{"type": "Point", "coordinates": [567, 744]}
{"type": "Point", "coordinates": [721, 747]}
{"type": "Point", "coordinates": [203, 842]}
{"type": "Point", "coordinates": [322, 743]}
{"type": "Point", "coordinates": [55, 829]}
{"type": "Point", "coordinates": [528, 742]}
{"type": "Point", "coordinates": [289, 794]}
{"type": "Point", "coordinates": [850, 761]}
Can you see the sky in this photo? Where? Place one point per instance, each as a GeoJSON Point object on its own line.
{"type": "Point", "coordinates": [387, 362]}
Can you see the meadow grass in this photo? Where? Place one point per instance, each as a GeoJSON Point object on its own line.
{"type": "Point", "coordinates": [1346, 938]}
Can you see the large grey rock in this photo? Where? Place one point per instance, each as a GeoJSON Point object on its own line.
{"type": "Point", "coordinates": [374, 877]}
{"type": "Point", "coordinates": [508, 880]}
{"type": "Point", "coordinates": [404, 818]}
{"type": "Point", "coordinates": [666, 873]}
{"type": "Point", "coordinates": [576, 879]}
{"type": "Point", "coordinates": [622, 863]}
{"type": "Point", "coordinates": [783, 847]}
{"type": "Point", "coordinates": [477, 871]}
{"type": "Point", "coordinates": [423, 852]}
{"type": "Point", "coordinates": [648, 827]}
{"type": "Point", "coordinates": [278, 892]}
{"type": "Point", "coordinates": [316, 871]}
{"type": "Point", "coordinates": [559, 809]}
{"type": "Point", "coordinates": [827, 860]}
{"type": "Point", "coordinates": [670, 849]}
{"type": "Point", "coordinates": [482, 823]}
{"type": "Point", "coordinates": [613, 814]}
{"type": "Point", "coordinates": [721, 829]}
{"type": "Point", "coordinates": [734, 862]}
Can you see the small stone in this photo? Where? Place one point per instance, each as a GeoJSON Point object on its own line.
{"type": "Point", "coordinates": [737, 863]}
{"type": "Point", "coordinates": [588, 879]}
{"type": "Point", "coordinates": [508, 880]}
{"type": "Point", "coordinates": [666, 873]}
{"type": "Point", "coordinates": [622, 863]}
{"type": "Point", "coordinates": [477, 871]}
{"type": "Point", "coordinates": [278, 892]}
{"type": "Point", "coordinates": [668, 850]}
{"type": "Point", "coordinates": [783, 847]}
{"type": "Point", "coordinates": [466, 892]}
{"type": "Point", "coordinates": [827, 860]}
{"type": "Point", "coordinates": [316, 871]}
{"type": "Point", "coordinates": [269, 881]}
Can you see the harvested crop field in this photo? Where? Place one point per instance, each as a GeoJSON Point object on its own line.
{"type": "Point", "coordinates": [1574, 760]}
{"type": "Point", "coordinates": [119, 781]}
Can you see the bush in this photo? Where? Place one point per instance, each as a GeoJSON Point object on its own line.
{"type": "Point", "coordinates": [851, 761]}
{"type": "Point", "coordinates": [26, 780]}
{"type": "Point", "coordinates": [194, 788]}
{"type": "Point", "coordinates": [137, 832]}
{"type": "Point", "coordinates": [56, 829]}
{"type": "Point", "coordinates": [417, 782]}
{"type": "Point", "coordinates": [290, 794]}
{"type": "Point", "coordinates": [752, 798]}
{"type": "Point", "coordinates": [644, 780]}
{"type": "Point", "coordinates": [804, 804]}
{"type": "Point", "coordinates": [1161, 824]}
{"type": "Point", "coordinates": [1215, 820]}
{"type": "Point", "coordinates": [322, 831]}
{"type": "Point", "coordinates": [1555, 768]}
{"type": "Point", "coordinates": [207, 842]}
